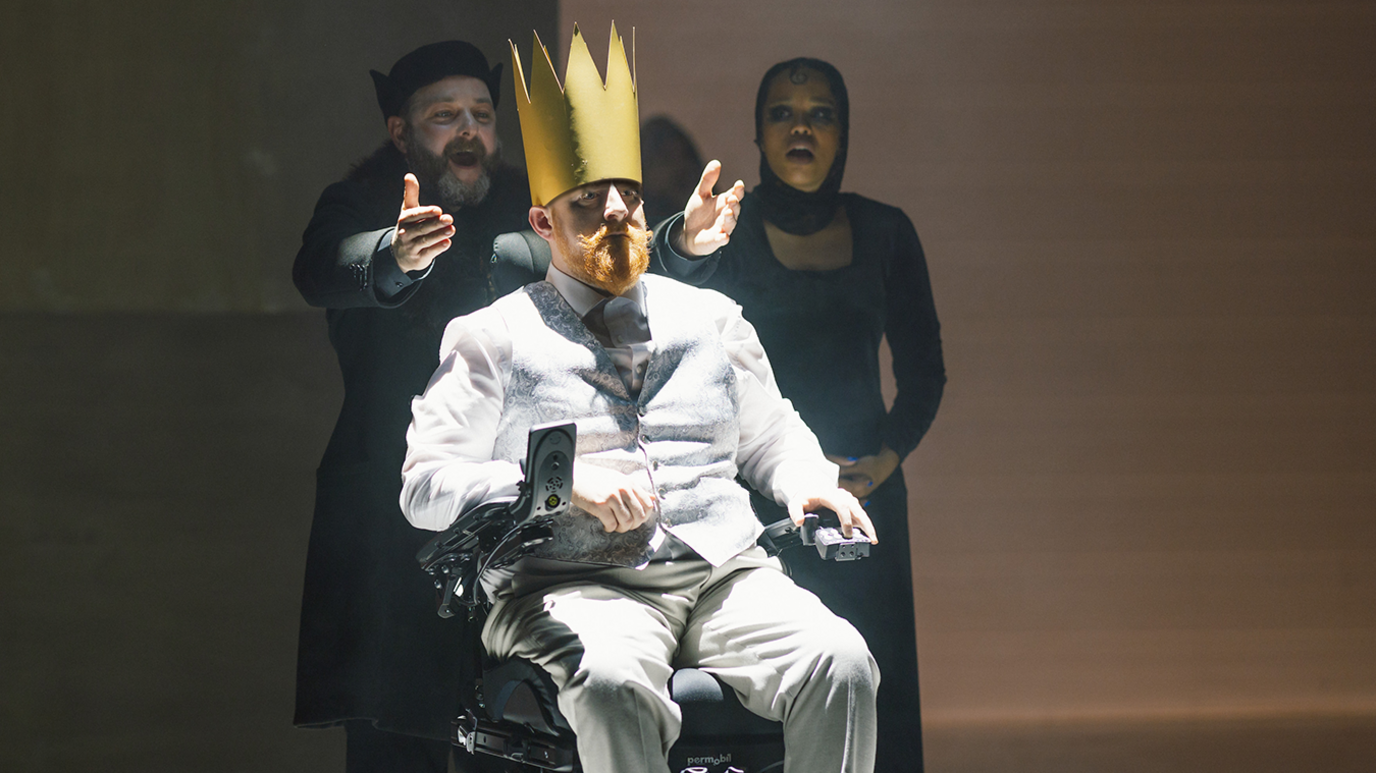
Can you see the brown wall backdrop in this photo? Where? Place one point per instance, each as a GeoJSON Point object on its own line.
{"type": "Point", "coordinates": [165, 156]}
{"type": "Point", "coordinates": [1143, 521]}
{"type": "Point", "coordinates": [1150, 489]}
{"type": "Point", "coordinates": [158, 432]}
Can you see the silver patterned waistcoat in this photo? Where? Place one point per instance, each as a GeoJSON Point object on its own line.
{"type": "Point", "coordinates": [678, 437]}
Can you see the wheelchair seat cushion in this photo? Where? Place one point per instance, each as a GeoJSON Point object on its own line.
{"type": "Point", "coordinates": [521, 692]}
{"type": "Point", "coordinates": [711, 709]}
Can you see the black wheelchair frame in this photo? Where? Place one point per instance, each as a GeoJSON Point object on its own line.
{"type": "Point", "coordinates": [511, 711]}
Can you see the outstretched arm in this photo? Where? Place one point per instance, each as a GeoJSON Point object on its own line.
{"type": "Point", "coordinates": [688, 245]}
{"type": "Point", "coordinates": [353, 255]}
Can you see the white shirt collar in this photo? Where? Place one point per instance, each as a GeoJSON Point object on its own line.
{"type": "Point", "coordinates": [582, 297]}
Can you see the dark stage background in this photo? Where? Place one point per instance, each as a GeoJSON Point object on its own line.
{"type": "Point", "coordinates": [1143, 521]}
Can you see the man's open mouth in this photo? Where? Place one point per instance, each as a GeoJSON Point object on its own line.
{"type": "Point", "coordinates": [799, 155]}
{"type": "Point", "coordinates": [464, 158]}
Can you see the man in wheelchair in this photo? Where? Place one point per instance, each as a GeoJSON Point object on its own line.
{"type": "Point", "coordinates": [656, 563]}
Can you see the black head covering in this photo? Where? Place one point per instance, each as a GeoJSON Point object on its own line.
{"type": "Point", "coordinates": [429, 64]}
{"type": "Point", "coordinates": [791, 210]}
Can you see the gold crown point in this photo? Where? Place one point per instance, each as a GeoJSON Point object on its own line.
{"type": "Point", "coordinates": [580, 67]}
{"type": "Point", "coordinates": [522, 93]}
{"type": "Point", "coordinates": [583, 130]}
{"type": "Point", "coordinates": [620, 72]}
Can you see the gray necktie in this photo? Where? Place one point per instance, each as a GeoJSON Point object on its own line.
{"type": "Point", "coordinates": [618, 324]}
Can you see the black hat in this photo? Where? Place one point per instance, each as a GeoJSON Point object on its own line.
{"type": "Point", "coordinates": [429, 64]}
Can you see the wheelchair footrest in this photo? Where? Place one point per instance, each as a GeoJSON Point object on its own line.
{"type": "Point", "coordinates": [509, 742]}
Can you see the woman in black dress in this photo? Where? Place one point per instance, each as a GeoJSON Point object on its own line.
{"type": "Point", "coordinates": [823, 276]}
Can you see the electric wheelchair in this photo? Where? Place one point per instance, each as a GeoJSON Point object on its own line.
{"type": "Point", "coordinates": [509, 708]}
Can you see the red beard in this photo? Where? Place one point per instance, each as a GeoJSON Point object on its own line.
{"type": "Point", "coordinates": [612, 259]}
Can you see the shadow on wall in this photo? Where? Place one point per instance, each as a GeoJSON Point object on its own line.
{"type": "Point", "coordinates": [671, 166]}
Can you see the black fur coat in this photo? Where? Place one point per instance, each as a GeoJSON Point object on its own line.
{"type": "Point", "coordinates": [371, 645]}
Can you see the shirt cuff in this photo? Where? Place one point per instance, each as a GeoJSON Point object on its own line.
{"type": "Point", "coordinates": [693, 269]}
{"type": "Point", "coordinates": [388, 278]}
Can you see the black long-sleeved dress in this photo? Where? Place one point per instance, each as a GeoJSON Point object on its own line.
{"type": "Point", "coordinates": [821, 330]}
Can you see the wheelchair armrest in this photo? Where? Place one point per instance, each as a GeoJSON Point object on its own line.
{"type": "Point", "coordinates": [464, 532]}
{"type": "Point", "coordinates": [498, 532]}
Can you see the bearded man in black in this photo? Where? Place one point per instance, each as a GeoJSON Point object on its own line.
{"type": "Point", "coordinates": [393, 252]}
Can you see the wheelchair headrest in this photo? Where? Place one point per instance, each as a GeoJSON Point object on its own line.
{"type": "Point", "coordinates": [518, 259]}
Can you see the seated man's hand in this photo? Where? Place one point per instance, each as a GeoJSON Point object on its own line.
{"type": "Point", "coordinates": [709, 220]}
{"type": "Point", "coordinates": [611, 497]}
{"type": "Point", "coordinates": [842, 502]}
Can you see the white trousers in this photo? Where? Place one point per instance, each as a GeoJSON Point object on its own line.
{"type": "Point", "coordinates": [610, 638]}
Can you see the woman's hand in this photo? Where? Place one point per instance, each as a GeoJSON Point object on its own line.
{"type": "Point", "coordinates": [611, 497]}
{"type": "Point", "coordinates": [861, 475]}
{"type": "Point", "coordinates": [709, 220]}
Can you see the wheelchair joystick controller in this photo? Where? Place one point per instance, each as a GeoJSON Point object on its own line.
{"type": "Point", "coordinates": [831, 544]}
{"type": "Point", "coordinates": [549, 469]}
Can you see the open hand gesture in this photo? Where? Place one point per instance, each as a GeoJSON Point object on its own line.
{"type": "Point", "coordinates": [709, 220]}
{"type": "Point", "coordinates": [422, 232]}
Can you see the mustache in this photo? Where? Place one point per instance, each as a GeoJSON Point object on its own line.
{"type": "Point", "coordinates": [640, 237]}
{"type": "Point", "coordinates": [470, 145]}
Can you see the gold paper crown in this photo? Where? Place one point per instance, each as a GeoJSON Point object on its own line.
{"type": "Point", "coordinates": [584, 131]}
